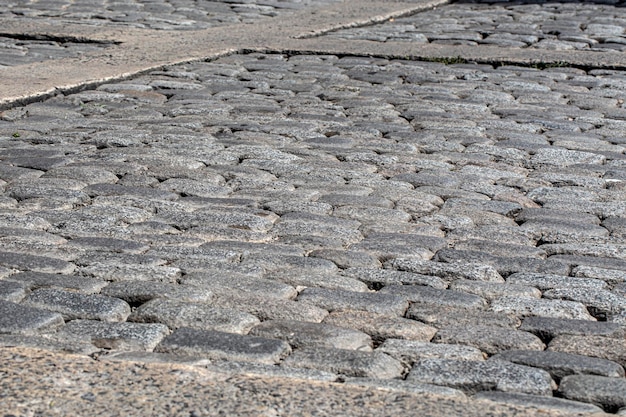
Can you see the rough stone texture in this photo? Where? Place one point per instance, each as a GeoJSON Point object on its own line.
{"type": "Point", "coordinates": [231, 283]}
{"type": "Point", "coordinates": [380, 277]}
{"type": "Point", "coordinates": [608, 393]}
{"type": "Point", "coordinates": [36, 280]}
{"type": "Point", "coordinates": [175, 314]}
{"type": "Point", "coordinates": [395, 385]}
{"type": "Point", "coordinates": [538, 402]}
{"type": "Point", "coordinates": [446, 316]}
{"type": "Point", "coordinates": [419, 294]}
{"type": "Point", "coordinates": [410, 351]}
{"type": "Point", "coordinates": [259, 176]}
{"type": "Point", "coordinates": [26, 262]}
{"type": "Point", "coordinates": [472, 271]}
{"type": "Point", "coordinates": [594, 346]}
{"type": "Point", "coordinates": [474, 376]}
{"type": "Point", "coordinates": [12, 291]}
{"type": "Point", "coordinates": [601, 303]}
{"type": "Point", "coordinates": [271, 308]}
{"type": "Point", "coordinates": [302, 279]}
{"type": "Point", "coordinates": [204, 391]}
{"type": "Point", "coordinates": [221, 345]}
{"type": "Point", "coordinates": [143, 291]}
{"type": "Point", "coordinates": [331, 300]}
{"type": "Point", "coordinates": [305, 334]}
{"type": "Point", "coordinates": [561, 364]}
{"type": "Point", "coordinates": [79, 306]}
{"type": "Point", "coordinates": [347, 362]}
{"type": "Point", "coordinates": [491, 290]}
{"type": "Point", "coordinates": [489, 339]}
{"type": "Point", "coordinates": [16, 318]}
{"type": "Point", "coordinates": [117, 336]}
{"type": "Point", "coordinates": [529, 306]}
{"type": "Point", "coordinates": [381, 327]}
{"type": "Point", "coordinates": [548, 328]}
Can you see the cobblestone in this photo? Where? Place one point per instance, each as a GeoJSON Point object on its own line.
{"type": "Point", "coordinates": [405, 386]}
{"type": "Point", "coordinates": [538, 402]}
{"type": "Point", "coordinates": [548, 328]}
{"type": "Point", "coordinates": [34, 280]}
{"type": "Point", "coordinates": [79, 306]}
{"type": "Point", "coordinates": [381, 327]}
{"type": "Point", "coordinates": [177, 313]}
{"type": "Point", "coordinates": [331, 300]}
{"type": "Point", "coordinates": [474, 376]}
{"type": "Point", "coordinates": [489, 339]}
{"type": "Point", "coordinates": [306, 334]}
{"type": "Point", "coordinates": [221, 345]}
{"type": "Point", "coordinates": [369, 213]}
{"type": "Point", "coordinates": [21, 319]}
{"type": "Point", "coordinates": [116, 336]}
{"type": "Point", "coordinates": [409, 351]}
{"type": "Point", "coordinates": [595, 346]}
{"type": "Point", "coordinates": [560, 364]}
{"type": "Point", "coordinates": [347, 362]}
{"type": "Point", "coordinates": [609, 393]}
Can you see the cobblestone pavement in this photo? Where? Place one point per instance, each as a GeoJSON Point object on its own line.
{"type": "Point", "coordinates": [18, 52]}
{"type": "Point", "coordinates": [426, 228]}
{"type": "Point", "coordinates": [520, 24]}
{"type": "Point", "coordinates": [160, 14]}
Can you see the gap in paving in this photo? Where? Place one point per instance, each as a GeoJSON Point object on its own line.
{"type": "Point", "coordinates": [55, 38]}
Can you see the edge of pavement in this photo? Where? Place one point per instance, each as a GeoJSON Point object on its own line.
{"type": "Point", "coordinates": [55, 384]}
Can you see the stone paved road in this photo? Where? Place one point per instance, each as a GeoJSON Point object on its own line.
{"type": "Point", "coordinates": [413, 228]}
{"type": "Point", "coordinates": [521, 24]}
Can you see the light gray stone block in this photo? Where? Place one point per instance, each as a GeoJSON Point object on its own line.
{"type": "Point", "coordinates": [474, 376]}
{"type": "Point", "coordinates": [306, 334]}
{"type": "Point", "coordinates": [16, 318]}
{"type": "Point", "coordinates": [332, 300]}
{"type": "Point", "coordinates": [221, 345]}
{"type": "Point", "coordinates": [177, 313]}
{"type": "Point", "coordinates": [538, 402]}
{"type": "Point", "coordinates": [608, 393]}
{"type": "Point", "coordinates": [410, 351]}
{"type": "Point", "coordinates": [560, 364]}
{"type": "Point", "coordinates": [346, 362]}
{"type": "Point", "coordinates": [381, 327]}
{"type": "Point", "coordinates": [79, 306]}
{"type": "Point", "coordinates": [116, 336]}
{"type": "Point", "coordinates": [489, 339]}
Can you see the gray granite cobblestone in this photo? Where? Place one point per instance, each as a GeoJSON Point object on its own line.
{"type": "Point", "coordinates": [306, 334]}
{"type": "Point", "coordinates": [608, 393]}
{"type": "Point", "coordinates": [547, 328]}
{"type": "Point", "coordinates": [474, 376]}
{"type": "Point", "coordinates": [560, 364]}
{"type": "Point", "coordinates": [197, 315]}
{"type": "Point", "coordinates": [79, 306]}
{"type": "Point", "coordinates": [545, 307]}
{"type": "Point", "coordinates": [221, 345]}
{"type": "Point", "coordinates": [445, 316]}
{"type": "Point", "coordinates": [489, 339]}
{"type": "Point", "coordinates": [332, 300]}
{"type": "Point", "coordinates": [17, 318]}
{"type": "Point", "coordinates": [34, 280]}
{"type": "Point", "coordinates": [395, 385]}
{"type": "Point", "coordinates": [539, 402]}
{"type": "Point", "coordinates": [429, 212]}
{"type": "Point", "coordinates": [595, 346]}
{"type": "Point", "coordinates": [116, 336]}
{"type": "Point", "coordinates": [347, 362]}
